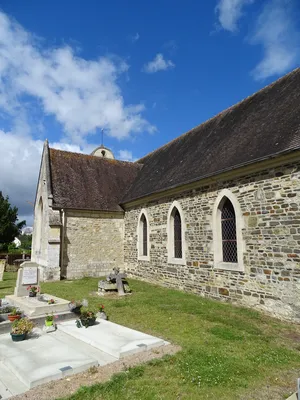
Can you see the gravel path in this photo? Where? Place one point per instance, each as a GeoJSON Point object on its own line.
{"type": "Point", "coordinates": [70, 384]}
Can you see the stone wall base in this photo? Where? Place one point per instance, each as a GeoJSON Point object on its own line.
{"type": "Point", "coordinates": [49, 273]}
{"type": "Point", "coordinates": [91, 269]}
{"type": "Point", "coordinates": [273, 307]}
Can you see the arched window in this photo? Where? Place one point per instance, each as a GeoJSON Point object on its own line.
{"type": "Point", "coordinates": [177, 234]}
{"type": "Point", "coordinates": [227, 232]}
{"type": "Point", "coordinates": [228, 223]}
{"type": "Point", "coordinates": [175, 229]}
{"type": "Point", "coordinates": [143, 236]}
{"type": "Point", "coordinates": [144, 247]}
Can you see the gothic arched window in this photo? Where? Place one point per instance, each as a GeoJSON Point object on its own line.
{"type": "Point", "coordinates": [228, 226]}
{"type": "Point", "coordinates": [144, 239]}
{"type": "Point", "coordinates": [176, 235]}
{"type": "Point", "coordinates": [143, 236]}
{"type": "Point", "coordinates": [227, 232]}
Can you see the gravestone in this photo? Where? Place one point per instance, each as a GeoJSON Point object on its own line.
{"type": "Point", "coordinates": [2, 266]}
{"type": "Point", "coordinates": [114, 282]}
{"type": "Point", "coordinates": [28, 275]}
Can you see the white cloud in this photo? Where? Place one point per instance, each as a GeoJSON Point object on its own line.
{"type": "Point", "coordinates": [125, 155]}
{"type": "Point", "coordinates": [229, 12]}
{"type": "Point", "coordinates": [276, 32]}
{"type": "Point", "coordinates": [20, 158]}
{"type": "Point", "coordinates": [83, 95]}
{"type": "Point", "coordinates": [158, 64]}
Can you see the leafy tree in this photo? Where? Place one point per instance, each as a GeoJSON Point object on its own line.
{"type": "Point", "coordinates": [10, 227]}
{"type": "Point", "coordinates": [25, 241]}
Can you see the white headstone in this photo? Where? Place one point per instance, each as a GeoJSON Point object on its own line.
{"type": "Point", "coordinates": [2, 265]}
{"type": "Point", "coordinates": [28, 274]}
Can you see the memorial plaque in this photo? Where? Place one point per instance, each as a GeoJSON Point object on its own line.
{"type": "Point", "coordinates": [30, 276]}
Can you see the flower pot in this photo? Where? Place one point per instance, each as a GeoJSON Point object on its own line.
{"type": "Point", "coordinates": [12, 318]}
{"type": "Point", "coordinates": [32, 294]}
{"type": "Point", "coordinates": [18, 337]}
{"type": "Point", "coordinates": [48, 323]}
{"type": "Point", "coordinates": [3, 317]}
{"type": "Point", "coordinates": [88, 321]}
{"type": "Point", "coordinates": [76, 310]}
{"type": "Point", "coordinates": [102, 315]}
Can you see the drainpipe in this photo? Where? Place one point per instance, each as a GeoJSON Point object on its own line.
{"type": "Point", "coordinates": [62, 235]}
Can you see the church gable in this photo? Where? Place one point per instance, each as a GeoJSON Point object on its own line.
{"type": "Point", "coordinates": [86, 182]}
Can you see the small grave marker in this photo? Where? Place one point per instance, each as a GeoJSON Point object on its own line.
{"type": "Point", "coordinates": [114, 281]}
{"type": "Point", "coordinates": [2, 265]}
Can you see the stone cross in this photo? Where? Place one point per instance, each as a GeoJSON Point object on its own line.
{"type": "Point", "coordinates": [117, 276]}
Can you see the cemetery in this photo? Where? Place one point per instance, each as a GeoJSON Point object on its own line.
{"type": "Point", "coordinates": [227, 351]}
{"type": "Point", "coordinates": [31, 356]}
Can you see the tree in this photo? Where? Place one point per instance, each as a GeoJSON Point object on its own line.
{"type": "Point", "coordinates": [25, 241]}
{"type": "Point", "coordinates": [10, 227]}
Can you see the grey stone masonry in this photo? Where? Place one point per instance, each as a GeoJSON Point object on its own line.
{"type": "Point", "coordinates": [93, 243]}
{"type": "Point", "coordinates": [269, 202]}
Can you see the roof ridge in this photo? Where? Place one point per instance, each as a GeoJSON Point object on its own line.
{"type": "Point", "coordinates": [95, 157]}
{"type": "Point", "coordinates": [223, 112]}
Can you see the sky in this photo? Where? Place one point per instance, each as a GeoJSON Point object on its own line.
{"type": "Point", "coordinates": [143, 72]}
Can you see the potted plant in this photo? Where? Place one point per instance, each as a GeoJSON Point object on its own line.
{"type": "Point", "coordinates": [49, 320]}
{"type": "Point", "coordinates": [4, 311]}
{"type": "Point", "coordinates": [75, 306]}
{"type": "Point", "coordinates": [33, 290]}
{"type": "Point", "coordinates": [14, 314]}
{"type": "Point", "coordinates": [87, 317]}
{"type": "Point", "coordinates": [101, 313]}
{"type": "Point", "coordinates": [20, 328]}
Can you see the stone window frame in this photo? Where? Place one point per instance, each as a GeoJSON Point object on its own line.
{"type": "Point", "coordinates": [140, 236]}
{"type": "Point", "coordinates": [217, 233]}
{"type": "Point", "coordinates": [170, 235]}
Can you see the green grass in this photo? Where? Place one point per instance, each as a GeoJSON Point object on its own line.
{"type": "Point", "coordinates": [8, 284]}
{"type": "Point", "coordinates": [226, 350]}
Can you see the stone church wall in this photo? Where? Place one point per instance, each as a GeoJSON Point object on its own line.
{"type": "Point", "coordinates": [45, 249]}
{"type": "Point", "coordinates": [92, 244]}
{"type": "Point", "coordinates": [270, 220]}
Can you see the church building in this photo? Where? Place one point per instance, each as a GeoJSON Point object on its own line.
{"type": "Point", "coordinates": [215, 212]}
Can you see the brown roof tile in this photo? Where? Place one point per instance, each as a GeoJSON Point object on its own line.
{"type": "Point", "coordinates": [85, 182]}
{"type": "Point", "coordinates": [263, 125]}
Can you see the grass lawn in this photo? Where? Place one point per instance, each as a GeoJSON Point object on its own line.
{"type": "Point", "coordinates": [8, 284]}
{"type": "Point", "coordinates": [227, 351]}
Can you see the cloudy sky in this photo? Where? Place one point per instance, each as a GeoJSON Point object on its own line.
{"type": "Point", "coordinates": [144, 72]}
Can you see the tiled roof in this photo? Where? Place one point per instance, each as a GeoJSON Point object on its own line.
{"type": "Point", "coordinates": [263, 125]}
{"type": "Point", "coordinates": [85, 182]}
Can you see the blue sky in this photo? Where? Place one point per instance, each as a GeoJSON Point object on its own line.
{"type": "Point", "coordinates": [145, 72]}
